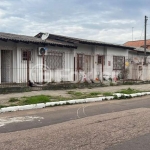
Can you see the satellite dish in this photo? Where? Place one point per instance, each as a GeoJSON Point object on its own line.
{"type": "Point", "coordinates": [45, 36]}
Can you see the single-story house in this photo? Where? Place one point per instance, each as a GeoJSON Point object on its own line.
{"type": "Point", "coordinates": [48, 58]}
{"type": "Point", "coordinates": [94, 59]}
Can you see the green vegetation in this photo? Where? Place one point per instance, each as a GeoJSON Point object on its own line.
{"type": "Point", "coordinates": [112, 84]}
{"type": "Point", "coordinates": [13, 100]}
{"type": "Point", "coordinates": [129, 83]}
{"type": "Point", "coordinates": [1, 106]}
{"type": "Point", "coordinates": [94, 94]}
{"type": "Point", "coordinates": [80, 95]}
{"type": "Point", "coordinates": [107, 94]}
{"type": "Point", "coordinates": [72, 95]}
{"type": "Point", "coordinates": [35, 99]}
{"type": "Point", "coordinates": [128, 91]}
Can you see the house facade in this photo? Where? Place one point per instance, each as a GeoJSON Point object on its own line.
{"type": "Point", "coordinates": [94, 59]}
{"type": "Point", "coordinates": [66, 59]}
{"type": "Point", "coordinates": [21, 59]}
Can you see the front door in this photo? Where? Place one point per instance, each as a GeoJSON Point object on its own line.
{"type": "Point", "coordinates": [6, 66]}
{"type": "Point", "coordinates": [87, 66]}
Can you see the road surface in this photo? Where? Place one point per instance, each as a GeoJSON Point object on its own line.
{"type": "Point", "coordinates": [110, 125]}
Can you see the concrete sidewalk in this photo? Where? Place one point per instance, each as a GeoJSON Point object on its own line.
{"type": "Point", "coordinates": [4, 98]}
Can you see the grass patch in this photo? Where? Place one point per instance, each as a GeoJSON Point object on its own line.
{"type": "Point", "coordinates": [79, 95]}
{"type": "Point", "coordinates": [2, 106]}
{"type": "Point", "coordinates": [58, 98]}
{"type": "Point", "coordinates": [128, 91]}
{"type": "Point", "coordinates": [94, 93]}
{"type": "Point", "coordinates": [107, 94]}
{"type": "Point", "coordinates": [75, 93]}
{"type": "Point", "coordinates": [35, 100]}
{"type": "Point", "coordinates": [13, 100]}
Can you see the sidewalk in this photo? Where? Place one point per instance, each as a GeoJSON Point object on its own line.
{"type": "Point", "coordinates": [4, 98]}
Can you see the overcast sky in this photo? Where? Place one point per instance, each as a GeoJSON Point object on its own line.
{"type": "Point", "coordinates": [102, 20]}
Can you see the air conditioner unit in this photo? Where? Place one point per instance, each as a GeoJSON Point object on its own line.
{"type": "Point", "coordinates": [42, 51]}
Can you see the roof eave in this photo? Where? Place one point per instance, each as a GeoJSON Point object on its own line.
{"type": "Point", "coordinates": [37, 42]}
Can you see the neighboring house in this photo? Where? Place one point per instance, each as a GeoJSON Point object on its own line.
{"type": "Point", "coordinates": [138, 43]}
{"type": "Point", "coordinates": [139, 71]}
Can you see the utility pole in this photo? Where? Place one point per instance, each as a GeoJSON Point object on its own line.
{"type": "Point", "coordinates": [132, 33]}
{"type": "Point", "coordinates": [146, 18]}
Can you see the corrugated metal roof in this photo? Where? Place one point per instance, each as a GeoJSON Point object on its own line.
{"type": "Point", "coordinates": [140, 49]}
{"type": "Point", "coordinates": [83, 41]}
{"type": "Point", "coordinates": [30, 39]}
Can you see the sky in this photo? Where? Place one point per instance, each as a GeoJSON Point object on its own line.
{"type": "Point", "coordinates": [113, 21]}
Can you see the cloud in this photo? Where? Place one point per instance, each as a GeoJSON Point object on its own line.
{"type": "Point", "coordinates": [109, 20]}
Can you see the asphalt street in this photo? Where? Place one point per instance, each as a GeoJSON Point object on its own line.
{"type": "Point", "coordinates": [108, 125]}
{"type": "Point", "coordinates": [55, 115]}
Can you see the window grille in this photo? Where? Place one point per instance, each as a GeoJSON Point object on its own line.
{"type": "Point", "coordinates": [118, 62]}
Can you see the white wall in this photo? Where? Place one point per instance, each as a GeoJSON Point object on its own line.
{"type": "Point", "coordinates": [36, 65]}
{"type": "Point", "coordinates": [19, 66]}
{"type": "Point", "coordinates": [88, 50]}
{"type": "Point", "coordinates": [99, 50]}
{"type": "Point", "coordinates": [110, 53]}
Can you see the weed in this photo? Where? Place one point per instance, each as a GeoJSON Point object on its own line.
{"type": "Point", "coordinates": [75, 94]}
{"type": "Point", "coordinates": [13, 100]}
{"type": "Point", "coordinates": [94, 93]}
{"type": "Point", "coordinates": [67, 103]}
{"type": "Point", "coordinates": [111, 84]}
{"type": "Point", "coordinates": [107, 94]}
{"type": "Point", "coordinates": [2, 106]}
{"type": "Point", "coordinates": [70, 92]}
{"type": "Point", "coordinates": [128, 83]}
{"type": "Point", "coordinates": [128, 91]}
{"type": "Point", "coordinates": [115, 97]}
{"type": "Point", "coordinates": [123, 97]}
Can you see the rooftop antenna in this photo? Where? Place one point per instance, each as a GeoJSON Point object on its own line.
{"type": "Point", "coordinates": [132, 33]}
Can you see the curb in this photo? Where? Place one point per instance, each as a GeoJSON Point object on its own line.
{"type": "Point", "coordinates": [75, 101]}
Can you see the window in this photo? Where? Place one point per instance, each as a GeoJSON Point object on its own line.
{"type": "Point", "coordinates": [118, 62]}
{"type": "Point", "coordinates": [79, 61]}
{"type": "Point", "coordinates": [54, 60]}
{"type": "Point", "coordinates": [26, 55]}
{"type": "Point", "coordinates": [101, 58]}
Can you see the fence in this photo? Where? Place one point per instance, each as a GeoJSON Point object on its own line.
{"type": "Point", "coordinates": [60, 66]}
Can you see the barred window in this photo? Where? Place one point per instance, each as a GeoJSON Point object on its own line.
{"type": "Point", "coordinates": [54, 60]}
{"type": "Point", "coordinates": [79, 61]}
{"type": "Point", "coordinates": [26, 55]}
{"type": "Point", "coordinates": [118, 62]}
{"type": "Point", "coordinates": [101, 58]}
